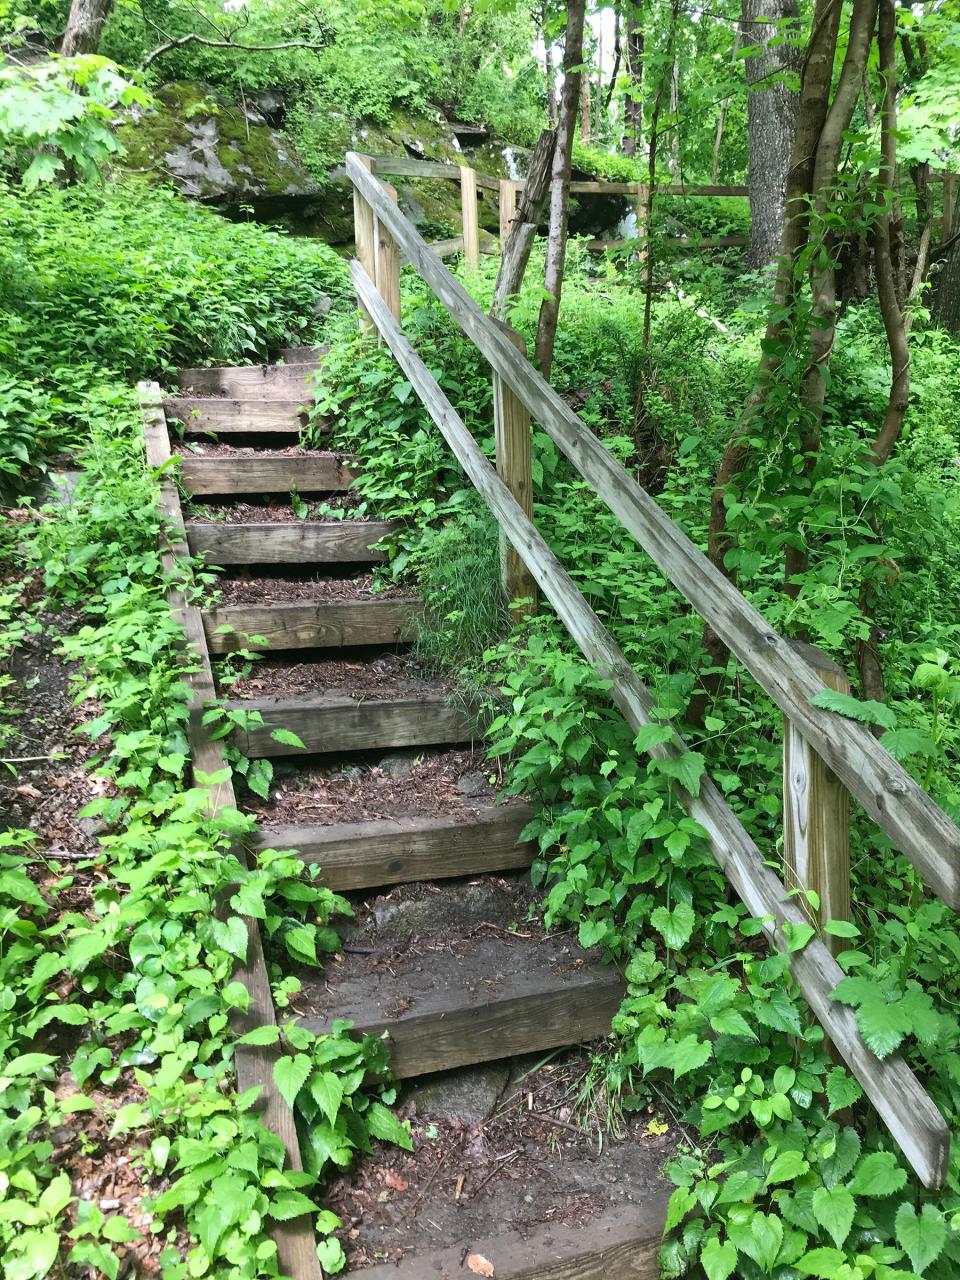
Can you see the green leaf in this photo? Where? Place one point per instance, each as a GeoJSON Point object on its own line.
{"type": "Point", "coordinates": [230, 935]}
{"type": "Point", "coordinates": [718, 1260]}
{"type": "Point", "coordinates": [883, 1026]}
{"type": "Point", "coordinates": [267, 1034]}
{"type": "Point", "coordinates": [288, 738]}
{"type": "Point", "coordinates": [842, 1090]}
{"type": "Point", "coordinates": [56, 1195]}
{"type": "Point", "coordinates": [787, 1166]}
{"type": "Point", "coordinates": [921, 1235]}
{"type": "Point", "coordinates": [825, 1263]}
{"type": "Point", "coordinates": [834, 1210]}
{"type": "Point", "coordinates": [686, 769]}
{"type": "Point", "coordinates": [331, 1255]}
{"type": "Point", "coordinates": [674, 926]}
{"type": "Point", "coordinates": [841, 929]}
{"type": "Point", "coordinates": [383, 1124]}
{"type": "Point", "coordinates": [760, 1238]}
{"type": "Point", "coordinates": [652, 735]}
{"type": "Point", "coordinates": [868, 712]}
{"type": "Point", "coordinates": [878, 1174]}
{"type": "Point", "coordinates": [327, 1092]}
{"type": "Point", "coordinates": [682, 1200]}
{"type": "Point", "coordinates": [290, 1204]}
{"type": "Point", "coordinates": [290, 1075]}
{"type": "Point", "coordinates": [28, 1064]}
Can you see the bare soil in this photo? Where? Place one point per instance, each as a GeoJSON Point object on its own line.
{"type": "Point", "coordinates": [537, 1159]}
{"type": "Point", "coordinates": [217, 449]}
{"type": "Point", "coordinates": [272, 511]}
{"type": "Point", "coordinates": [247, 590]}
{"type": "Point", "coordinates": [402, 784]}
{"type": "Point", "coordinates": [388, 676]}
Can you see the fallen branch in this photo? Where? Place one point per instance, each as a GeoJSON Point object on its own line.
{"type": "Point", "coordinates": [177, 42]}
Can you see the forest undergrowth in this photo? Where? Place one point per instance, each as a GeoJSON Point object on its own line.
{"type": "Point", "coordinates": [784, 1169]}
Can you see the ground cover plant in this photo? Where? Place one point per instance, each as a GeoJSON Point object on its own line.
{"type": "Point", "coordinates": [785, 1171]}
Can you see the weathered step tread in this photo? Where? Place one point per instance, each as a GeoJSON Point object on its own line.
{"type": "Point", "coordinates": [361, 855]}
{"type": "Point", "coordinates": [458, 1000]}
{"type": "Point", "coordinates": [333, 722]}
{"type": "Point", "coordinates": [223, 415]}
{"type": "Point", "coordinates": [623, 1243]}
{"type": "Point", "coordinates": [253, 381]}
{"type": "Point", "coordinates": [309, 472]}
{"type": "Point", "coordinates": [289, 542]}
{"type": "Point", "coordinates": [300, 624]}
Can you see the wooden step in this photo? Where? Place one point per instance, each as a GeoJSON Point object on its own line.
{"type": "Point", "coordinates": [361, 855]}
{"type": "Point", "coordinates": [251, 381]}
{"type": "Point", "coordinates": [301, 355]}
{"type": "Point", "coordinates": [298, 625]}
{"type": "Point", "coordinates": [221, 415]}
{"type": "Point", "coordinates": [295, 542]}
{"type": "Point", "coordinates": [311, 473]}
{"type": "Point", "coordinates": [623, 1243]}
{"type": "Point", "coordinates": [493, 995]}
{"type": "Point", "coordinates": [333, 722]}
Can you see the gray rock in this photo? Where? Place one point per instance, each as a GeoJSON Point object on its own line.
{"type": "Point", "coordinates": [399, 764]}
{"type": "Point", "coordinates": [469, 1094]}
{"type": "Point", "coordinates": [91, 826]}
{"type": "Point", "coordinates": [473, 784]}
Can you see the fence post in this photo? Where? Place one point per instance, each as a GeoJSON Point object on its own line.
{"type": "Point", "coordinates": [508, 208]}
{"type": "Point", "coordinates": [515, 467]}
{"type": "Point", "coordinates": [949, 203]}
{"type": "Point", "coordinates": [364, 240]}
{"type": "Point", "coordinates": [468, 208]}
{"type": "Point", "coordinates": [816, 815]}
{"type": "Point", "coordinates": [388, 262]}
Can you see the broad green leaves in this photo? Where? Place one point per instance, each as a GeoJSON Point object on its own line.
{"type": "Point", "coordinates": [922, 1234]}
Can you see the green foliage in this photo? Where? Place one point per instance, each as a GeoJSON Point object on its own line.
{"type": "Point", "coordinates": [125, 282]}
{"type": "Point", "coordinates": [55, 116]}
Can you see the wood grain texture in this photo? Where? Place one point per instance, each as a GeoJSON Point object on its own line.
{"type": "Point", "coordinates": [296, 1242]}
{"type": "Point", "coordinates": [336, 723]}
{"type": "Point", "coordinates": [388, 262]}
{"type": "Point", "coordinates": [251, 381]}
{"type": "Point", "coordinates": [469, 218]}
{"type": "Point", "coordinates": [458, 1023]}
{"type": "Point", "coordinates": [620, 1244]}
{"type": "Point", "coordinates": [891, 1086]}
{"type": "Point", "coordinates": [360, 855]}
{"type": "Point", "coordinates": [223, 415]}
{"type": "Point", "coordinates": [507, 207]}
{"type": "Point", "coordinates": [365, 240]}
{"type": "Point", "coordinates": [897, 803]}
{"type": "Point", "coordinates": [816, 816]}
{"type": "Point", "coordinates": [299, 542]}
{"type": "Point", "coordinates": [295, 625]}
{"type": "Point", "coordinates": [512, 437]}
{"type": "Point", "coordinates": [311, 473]}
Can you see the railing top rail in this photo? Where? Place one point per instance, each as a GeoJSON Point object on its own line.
{"type": "Point", "coordinates": [894, 1090]}
{"type": "Point", "coordinates": [917, 826]}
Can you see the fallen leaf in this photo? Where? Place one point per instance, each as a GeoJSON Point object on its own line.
{"type": "Point", "coordinates": [25, 789]}
{"type": "Point", "coordinates": [657, 1128]}
{"type": "Point", "coordinates": [394, 1181]}
{"type": "Point", "coordinates": [479, 1265]}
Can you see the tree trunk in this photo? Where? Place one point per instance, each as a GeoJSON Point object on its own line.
{"type": "Point", "coordinates": [771, 115]}
{"type": "Point", "coordinates": [549, 69]}
{"type": "Point", "coordinates": [560, 187]}
{"type": "Point", "coordinates": [85, 26]}
{"type": "Point", "coordinates": [945, 312]}
{"type": "Point", "coordinates": [633, 103]}
{"type": "Point", "coordinates": [585, 109]}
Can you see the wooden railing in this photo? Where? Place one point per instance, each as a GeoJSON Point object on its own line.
{"type": "Point", "coordinates": [824, 750]}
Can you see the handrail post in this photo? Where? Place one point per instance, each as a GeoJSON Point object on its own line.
{"type": "Point", "coordinates": [816, 815]}
{"type": "Point", "coordinates": [468, 209]}
{"type": "Point", "coordinates": [508, 208]}
{"type": "Point", "coordinates": [388, 262]}
{"type": "Point", "coordinates": [364, 241]}
{"type": "Point", "coordinates": [512, 436]}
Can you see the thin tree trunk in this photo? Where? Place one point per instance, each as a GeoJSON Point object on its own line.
{"type": "Point", "coordinates": [633, 102]}
{"type": "Point", "coordinates": [84, 27]}
{"type": "Point", "coordinates": [652, 170]}
{"type": "Point", "coordinates": [515, 253]}
{"type": "Point", "coordinates": [722, 117]}
{"type": "Point", "coordinates": [771, 116]}
{"type": "Point", "coordinates": [674, 116]}
{"type": "Point", "coordinates": [585, 108]}
{"type": "Point", "coordinates": [560, 187]}
{"type": "Point", "coordinates": [549, 68]}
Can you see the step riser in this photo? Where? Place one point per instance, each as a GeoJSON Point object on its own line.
{"type": "Point", "coordinates": [254, 382]}
{"type": "Point", "coordinates": [503, 1028]}
{"type": "Point", "coordinates": [265, 475]}
{"type": "Point", "coordinates": [308, 626]}
{"type": "Point", "coordinates": [363, 855]}
{"type": "Point", "coordinates": [228, 417]}
{"type": "Point", "coordinates": [346, 542]}
{"type": "Point", "coordinates": [353, 726]}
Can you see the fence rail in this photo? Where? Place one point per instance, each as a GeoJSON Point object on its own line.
{"type": "Point", "coordinates": [895, 801]}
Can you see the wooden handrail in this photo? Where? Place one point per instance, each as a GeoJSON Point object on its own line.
{"type": "Point", "coordinates": [917, 826]}
{"type": "Point", "coordinates": [899, 1099]}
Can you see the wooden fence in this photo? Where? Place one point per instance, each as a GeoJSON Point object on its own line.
{"type": "Point", "coordinates": [827, 756]}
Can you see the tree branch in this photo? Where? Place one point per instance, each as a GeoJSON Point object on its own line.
{"type": "Point", "coordinates": [177, 42]}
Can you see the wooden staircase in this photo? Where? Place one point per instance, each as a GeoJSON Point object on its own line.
{"type": "Point", "coordinates": [547, 991]}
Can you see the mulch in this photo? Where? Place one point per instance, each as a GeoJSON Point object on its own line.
{"type": "Point", "coordinates": [388, 675]}
{"type": "Point", "coordinates": [272, 511]}
{"type": "Point", "coordinates": [322, 590]}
